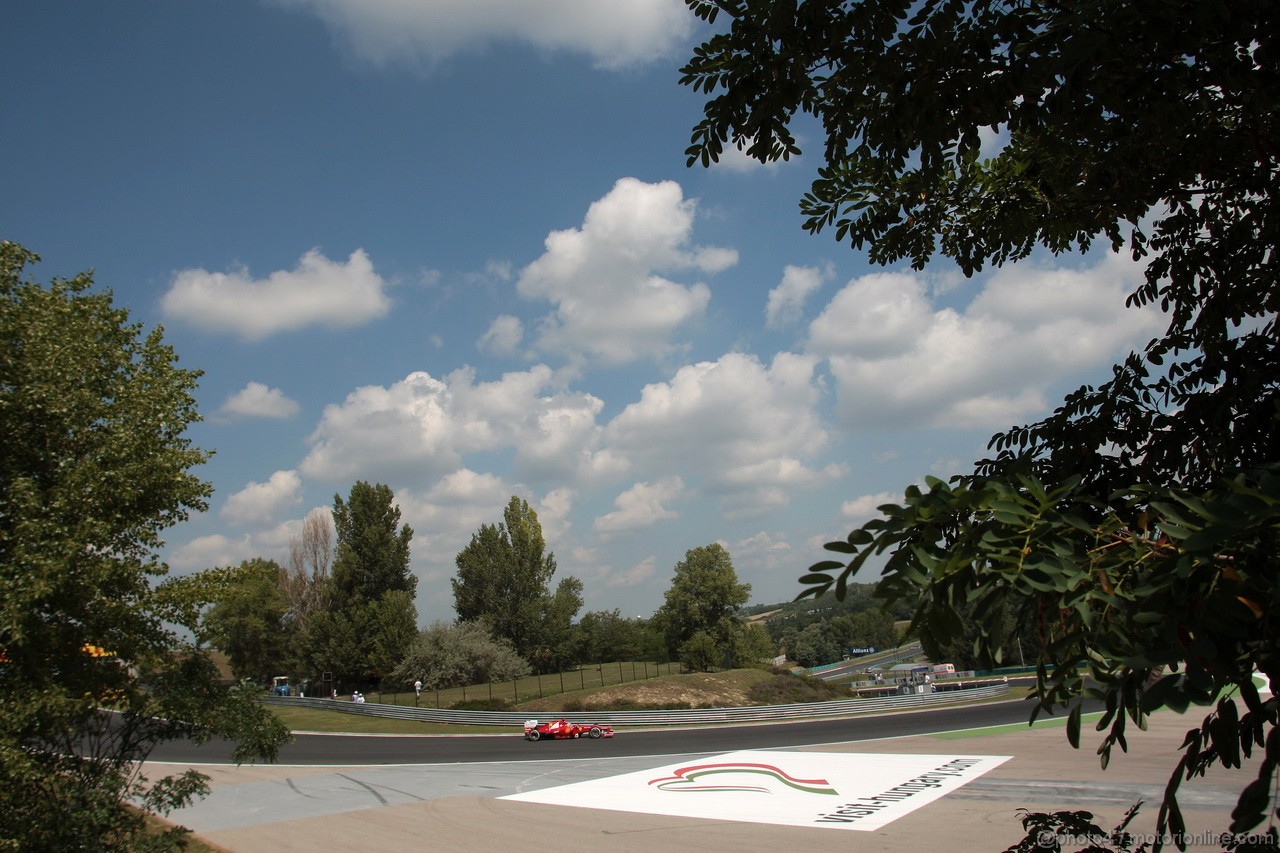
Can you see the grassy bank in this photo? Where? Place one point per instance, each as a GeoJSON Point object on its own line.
{"type": "Point", "coordinates": [731, 688]}
{"type": "Point", "coordinates": [528, 689]}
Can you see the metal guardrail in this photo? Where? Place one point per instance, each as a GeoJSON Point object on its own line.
{"type": "Point", "coordinates": [679, 717]}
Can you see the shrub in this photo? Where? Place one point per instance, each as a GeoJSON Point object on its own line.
{"type": "Point", "coordinates": [787, 688]}
{"type": "Point", "coordinates": [494, 704]}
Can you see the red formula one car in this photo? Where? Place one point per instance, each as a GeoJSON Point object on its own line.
{"type": "Point", "coordinates": [562, 729]}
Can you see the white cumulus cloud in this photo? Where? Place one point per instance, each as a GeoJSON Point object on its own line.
{"type": "Point", "coordinates": [761, 543]}
{"type": "Point", "coordinates": [258, 503]}
{"type": "Point", "coordinates": [425, 427]}
{"type": "Point", "coordinates": [643, 505]}
{"type": "Point", "coordinates": [899, 360]}
{"type": "Point", "coordinates": [875, 315]}
{"type": "Point", "coordinates": [786, 301]}
{"type": "Point", "coordinates": [503, 336]}
{"type": "Point", "coordinates": [318, 292]}
{"type": "Point", "coordinates": [445, 514]}
{"type": "Point", "coordinates": [256, 400]}
{"type": "Point", "coordinates": [741, 428]}
{"type": "Point", "coordinates": [734, 158]}
{"type": "Point", "coordinates": [613, 303]}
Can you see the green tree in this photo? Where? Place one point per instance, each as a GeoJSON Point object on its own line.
{"type": "Point", "coordinates": [394, 627]}
{"type": "Point", "coordinates": [704, 596]}
{"type": "Point", "coordinates": [813, 646]}
{"type": "Point", "coordinates": [754, 647]}
{"type": "Point", "coordinates": [369, 619]}
{"type": "Point", "coordinates": [653, 641]}
{"type": "Point", "coordinates": [454, 655]}
{"type": "Point", "coordinates": [556, 649]}
{"type": "Point", "coordinates": [606, 635]}
{"type": "Point", "coordinates": [247, 620]}
{"type": "Point", "coordinates": [701, 653]}
{"type": "Point", "coordinates": [870, 627]}
{"type": "Point", "coordinates": [372, 554]}
{"type": "Point", "coordinates": [502, 580]}
{"type": "Point", "coordinates": [481, 584]}
{"type": "Point", "coordinates": [334, 645]}
{"type": "Point", "coordinates": [1140, 518]}
{"type": "Point", "coordinates": [794, 616]}
{"type": "Point", "coordinates": [93, 467]}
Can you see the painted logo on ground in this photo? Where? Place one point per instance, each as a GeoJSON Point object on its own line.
{"type": "Point", "coordinates": [829, 790]}
{"type": "Point", "coordinates": [690, 779]}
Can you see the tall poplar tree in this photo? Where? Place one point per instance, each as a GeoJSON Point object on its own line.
{"type": "Point", "coordinates": [369, 620]}
{"type": "Point", "coordinates": [372, 554]}
{"type": "Point", "coordinates": [503, 580]}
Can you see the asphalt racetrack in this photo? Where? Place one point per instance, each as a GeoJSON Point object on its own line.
{"type": "Point", "coordinates": [365, 750]}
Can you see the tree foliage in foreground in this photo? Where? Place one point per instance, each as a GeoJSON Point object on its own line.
{"type": "Point", "coordinates": [93, 467]}
{"type": "Point", "coordinates": [1135, 527]}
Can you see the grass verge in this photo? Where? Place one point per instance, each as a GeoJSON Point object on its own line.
{"type": "Point", "coordinates": [1040, 723]}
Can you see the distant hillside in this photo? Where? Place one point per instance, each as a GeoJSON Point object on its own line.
{"type": "Point", "coordinates": [796, 615]}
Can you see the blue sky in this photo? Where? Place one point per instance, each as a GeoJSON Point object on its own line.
{"type": "Point", "coordinates": [452, 246]}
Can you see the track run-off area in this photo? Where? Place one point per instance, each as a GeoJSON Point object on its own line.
{"type": "Point", "coordinates": [888, 782]}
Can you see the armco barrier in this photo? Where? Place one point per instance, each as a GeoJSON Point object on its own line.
{"type": "Point", "coordinates": [681, 717]}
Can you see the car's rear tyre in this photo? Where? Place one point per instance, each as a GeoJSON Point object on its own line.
{"type": "Point", "coordinates": [595, 732]}
{"type": "Point", "coordinates": [534, 734]}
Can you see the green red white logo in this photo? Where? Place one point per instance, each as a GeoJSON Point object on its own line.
{"type": "Point", "coordinates": [758, 778]}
